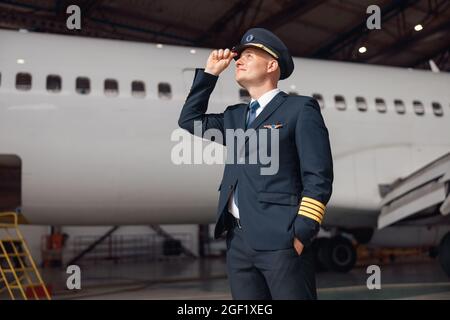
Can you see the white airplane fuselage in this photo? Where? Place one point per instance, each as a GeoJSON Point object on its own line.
{"type": "Point", "coordinates": [95, 159]}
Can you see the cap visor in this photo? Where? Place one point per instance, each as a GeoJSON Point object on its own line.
{"type": "Point", "coordinates": [241, 47]}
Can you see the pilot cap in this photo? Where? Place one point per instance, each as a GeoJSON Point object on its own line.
{"type": "Point", "coordinates": [269, 42]}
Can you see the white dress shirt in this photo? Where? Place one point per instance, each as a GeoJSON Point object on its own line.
{"type": "Point", "coordinates": [263, 102]}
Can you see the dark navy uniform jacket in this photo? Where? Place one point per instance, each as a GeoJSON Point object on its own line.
{"type": "Point", "coordinates": [272, 208]}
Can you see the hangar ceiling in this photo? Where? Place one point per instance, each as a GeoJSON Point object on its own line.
{"type": "Point", "coordinates": [332, 29]}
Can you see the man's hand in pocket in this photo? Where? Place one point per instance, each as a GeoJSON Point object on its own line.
{"type": "Point", "coordinates": [298, 245]}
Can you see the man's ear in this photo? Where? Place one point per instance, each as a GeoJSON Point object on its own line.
{"type": "Point", "coordinates": [272, 66]}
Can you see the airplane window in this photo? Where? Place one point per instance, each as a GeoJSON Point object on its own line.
{"type": "Point", "coordinates": [53, 83]}
{"type": "Point", "coordinates": [319, 99]}
{"type": "Point", "coordinates": [399, 106]}
{"type": "Point", "coordinates": [138, 89]}
{"type": "Point", "coordinates": [83, 85]}
{"type": "Point", "coordinates": [23, 81]}
{"type": "Point", "coordinates": [340, 102]}
{"type": "Point", "coordinates": [164, 90]}
{"type": "Point", "coordinates": [380, 105]}
{"type": "Point", "coordinates": [418, 108]}
{"type": "Point", "coordinates": [244, 95]}
{"type": "Point", "coordinates": [437, 109]}
{"type": "Point", "coordinates": [111, 88]}
{"type": "Point", "coordinates": [361, 104]}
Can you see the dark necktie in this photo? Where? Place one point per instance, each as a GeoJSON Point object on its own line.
{"type": "Point", "coordinates": [251, 116]}
{"type": "Point", "coordinates": [252, 113]}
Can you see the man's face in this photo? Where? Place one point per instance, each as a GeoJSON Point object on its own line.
{"type": "Point", "coordinates": [252, 67]}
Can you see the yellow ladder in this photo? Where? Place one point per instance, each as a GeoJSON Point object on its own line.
{"type": "Point", "coordinates": [17, 268]}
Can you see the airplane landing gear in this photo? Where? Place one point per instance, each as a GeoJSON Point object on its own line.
{"type": "Point", "coordinates": [336, 254]}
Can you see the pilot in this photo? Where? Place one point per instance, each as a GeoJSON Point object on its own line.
{"type": "Point", "coordinates": [269, 220]}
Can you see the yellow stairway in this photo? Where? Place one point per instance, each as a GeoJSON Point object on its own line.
{"type": "Point", "coordinates": [18, 273]}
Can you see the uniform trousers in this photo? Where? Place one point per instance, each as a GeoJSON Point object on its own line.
{"type": "Point", "coordinates": [269, 274]}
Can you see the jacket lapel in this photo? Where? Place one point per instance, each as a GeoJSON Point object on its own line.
{"type": "Point", "coordinates": [242, 117]}
{"type": "Point", "coordinates": [268, 110]}
{"type": "Point", "coordinates": [241, 114]}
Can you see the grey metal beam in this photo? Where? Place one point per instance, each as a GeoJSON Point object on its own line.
{"type": "Point", "coordinates": [53, 18]}
{"type": "Point", "coordinates": [293, 11]}
{"type": "Point", "coordinates": [49, 23]}
{"type": "Point", "coordinates": [392, 9]}
{"type": "Point", "coordinates": [92, 246]}
{"type": "Point", "coordinates": [224, 20]}
{"type": "Point", "coordinates": [88, 6]}
{"type": "Point", "coordinates": [164, 234]}
{"type": "Point", "coordinates": [140, 18]}
{"type": "Point", "coordinates": [406, 42]}
{"type": "Point", "coordinates": [23, 5]}
{"type": "Point", "coordinates": [430, 56]}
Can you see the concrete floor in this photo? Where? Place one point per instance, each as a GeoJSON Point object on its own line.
{"type": "Point", "coordinates": [186, 279]}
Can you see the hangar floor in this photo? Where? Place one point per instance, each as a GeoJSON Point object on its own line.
{"type": "Point", "coordinates": [206, 279]}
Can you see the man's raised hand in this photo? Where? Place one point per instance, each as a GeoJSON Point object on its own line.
{"type": "Point", "coordinates": [219, 60]}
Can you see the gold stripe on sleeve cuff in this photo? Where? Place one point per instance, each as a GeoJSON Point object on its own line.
{"type": "Point", "coordinates": [306, 214]}
{"type": "Point", "coordinates": [314, 212]}
{"type": "Point", "coordinates": [313, 207]}
{"type": "Point", "coordinates": [311, 212]}
{"type": "Point", "coordinates": [313, 201]}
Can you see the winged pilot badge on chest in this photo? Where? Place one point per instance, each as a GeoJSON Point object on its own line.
{"type": "Point", "coordinates": [273, 126]}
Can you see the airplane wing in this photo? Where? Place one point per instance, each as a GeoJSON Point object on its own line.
{"type": "Point", "coordinates": [423, 194]}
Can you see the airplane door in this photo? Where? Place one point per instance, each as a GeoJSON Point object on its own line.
{"type": "Point", "coordinates": [10, 182]}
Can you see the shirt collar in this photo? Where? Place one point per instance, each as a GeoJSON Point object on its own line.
{"type": "Point", "coordinates": [267, 97]}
